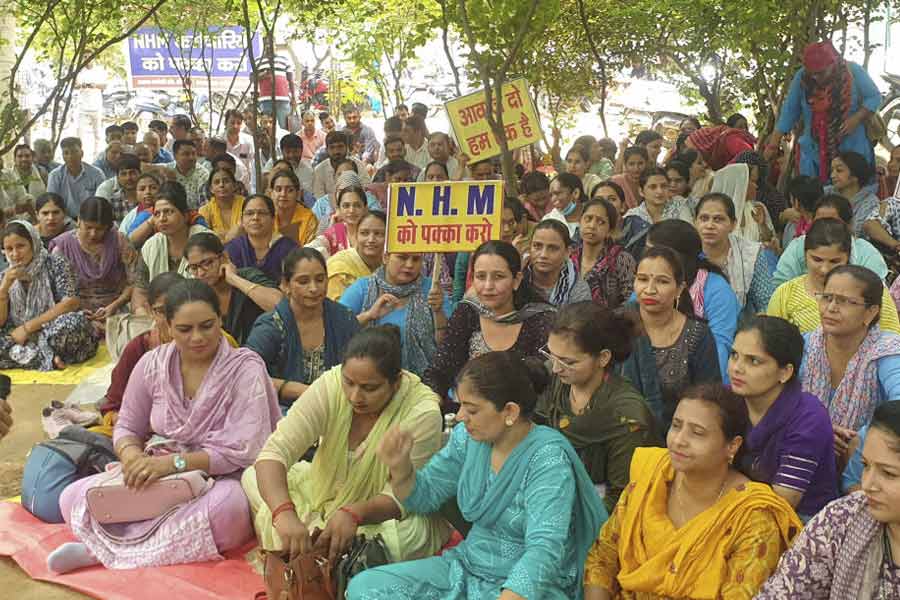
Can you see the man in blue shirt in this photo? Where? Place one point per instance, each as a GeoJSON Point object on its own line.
{"type": "Point", "coordinates": [74, 180]}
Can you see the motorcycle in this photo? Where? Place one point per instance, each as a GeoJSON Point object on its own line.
{"type": "Point", "coordinates": [890, 112]}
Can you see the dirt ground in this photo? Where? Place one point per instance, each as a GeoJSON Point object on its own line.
{"type": "Point", "coordinates": [27, 402]}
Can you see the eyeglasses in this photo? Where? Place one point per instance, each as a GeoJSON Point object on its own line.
{"type": "Point", "coordinates": [204, 265]}
{"type": "Point", "coordinates": [839, 301]}
{"type": "Point", "coordinates": [562, 363]}
{"type": "Point", "coordinates": [257, 213]}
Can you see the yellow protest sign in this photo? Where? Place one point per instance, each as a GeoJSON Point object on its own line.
{"type": "Point", "coordinates": [443, 216]}
{"type": "Point", "coordinates": [470, 126]}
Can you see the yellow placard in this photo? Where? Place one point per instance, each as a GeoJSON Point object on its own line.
{"type": "Point", "coordinates": [443, 216]}
{"type": "Point", "coordinates": [470, 126]}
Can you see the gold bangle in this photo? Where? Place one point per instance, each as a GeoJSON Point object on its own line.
{"type": "Point", "coordinates": [251, 288]}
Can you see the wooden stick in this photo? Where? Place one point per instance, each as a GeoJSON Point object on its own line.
{"type": "Point", "coordinates": [436, 270]}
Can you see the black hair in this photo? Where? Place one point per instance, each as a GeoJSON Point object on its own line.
{"type": "Point", "coordinates": [128, 161]}
{"type": "Point", "coordinates": [571, 183]}
{"type": "Point", "coordinates": [183, 121]}
{"type": "Point", "coordinates": [693, 120]}
{"type": "Point", "coordinates": [51, 197]}
{"type": "Point", "coordinates": [438, 163]}
{"type": "Point", "coordinates": [190, 290]}
{"type": "Point", "coordinates": [227, 158]}
{"type": "Point", "coordinates": [161, 284]}
{"type": "Point", "coordinates": [289, 173]}
{"type": "Point", "coordinates": [233, 112]}
{"type": "Point", "coordinates": [113, 129]}
{"type": "Point", "coordinates": [382, 345]}
{"type": "Point", "coordinates": [682, 237]}
{"type": "Point", "coordinates": [652, 171]}
{"type": "Point", "coordinates": [734, 417]}
{"type": "Point", "coordinates": [688, 156]}
{"type": "Point", "coordinates": [173, 192]}
{"type": "Point", "coordinates": [353, 189]}
{"type": "Point", "coordinates": [70, 142]}
{"type": "Point", "coordinates": [721, 198]}
{"type": "Point", "coordinates": [397, 166]}
{"type": "Point", "coordinates": [22, 147]}
{"type": "Point", "coordinates": [19, 230]}
{"type": "Point", "coordinates": [393, 139]}
{"type": "Point", "coordinates": [324, 114]}
{"type": "Point", "coordinates": [215, 172]}
{"type": "Point", "coordinates": [648, 136]}
{"type": "Point", "coordinates": [179, 144]}
{"type": "Point", "coordinates": [595, 329]}
{"type": "Point", "coordinates": [270, 205]}
{"type": "Point", "coordinates": [289, 263]}
{"type": "Point", "coordinates": [337, 137]}
{"type": "Point", "coordinates": [887, 420]}
{"type": "Point", "coordinates": [635, 151]}
{"type": "Point", "coordinates": [418, 107]}
{"type": "Point", "coordinates": [872, 286]}
{"type": "Point", "coordinates": [807, 191]}
{"type": "Point", "coordinates": [534, 181]}
{"type": "Point", "coordinates": [217, 143]}
{"type": "Point", "coordinates": [828, 232]}
{"type": "Point", "coordinates": [584, 153]}
{"type": "Point", "coordinates": [347, 161]}
{"type": "Point", "coordinates": [612, 215]}
{"type": "Point", "coordinates": [130, 126]}
{"type": "Point", "coordinates": [733, 119]}
{"type": "Point", "coordinates": [416, 122]}
{"type": "Point", "coordinates": [780, 339]}
{"type": "Point", "coordinates": [148, 175]}
{"type": "Point", "coordinates": [291, 140]}
{"type": "Point", "coordinates": [585, 141]}
{"type": "Point", "coordinates": [681, 168]}
{"type": "Point", "coordinates": [620, 192]}
{"type": "Point", "coordinates": [513, 204]}
{"type": "Point", "coordinates": [206, 241]}
{"type": "Point", "coordinates": [858, 165]}
{"type": "Point", "coordinates": [554, 225]}
{"type": "Point", "coordinates": [506, 377]}
{"type": "Point", "coordinates": [685, 303]}
{"type": "Point", "coordinates": [96, 210]}
{"type": "Point", "coordinates": [393, 124]}
{"type": "Point", "coordinates": [378, 214]}
{"type": "Point", "coordinates": [525, 293]}
{"type": "Point", "coordinates": [838, 203]}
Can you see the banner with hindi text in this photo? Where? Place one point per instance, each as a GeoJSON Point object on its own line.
{"type": "Point", "coordinates": [443, 216]}
{"type": "Point", "coordinates": [474, 135]}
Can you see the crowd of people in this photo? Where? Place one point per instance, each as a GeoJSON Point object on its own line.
{"type": "Point", "coordinates": [665, 379]}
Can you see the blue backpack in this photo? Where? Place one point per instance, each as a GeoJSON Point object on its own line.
{"type": "Point", "coordinates": [53, 464]}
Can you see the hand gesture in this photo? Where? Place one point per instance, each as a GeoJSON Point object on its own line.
{"type": "Point", "coordinates": [293, 533]}
{"type": "Point", "coordinates": [144, 470]}
{"type": "Point", "coordinates": [759, 213]}
{"type": "Point", "coordinates": [463, 160]}
{"type": "Point", "coordinates": [842, 439]}
{"type": "Point", "coordinates": [384, 305]}
{"type": "Point", "coordinates": [12, 275]}
{"type": "Point", "coordinates": [395, 448]}
{"type": "Point", "coordinates": [228, 271]}
{"type": "Point", "coordinates": [101, 313]}
{"type": "Point", "coordinates": [521, 243]}
{"type": "Point", "coordinates": [6, 419]}
{"type": "Point", "coordinates": [337, 536]}
{"type": "Point", "coordinates": [436, 298]}
{"type": "Point", "coordinates": [19, 335]}
{"type": "Point", "coordinates": [849, 126]}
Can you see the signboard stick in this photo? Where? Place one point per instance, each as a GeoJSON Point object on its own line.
{"type": "Point", "coordinates": [436, 270]}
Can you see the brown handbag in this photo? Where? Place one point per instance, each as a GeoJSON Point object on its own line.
{"type": "Point", "coordinates": [307, 577]}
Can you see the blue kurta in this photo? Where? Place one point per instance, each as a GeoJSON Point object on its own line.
{"type": "Point", "coordinates": [532, 539]}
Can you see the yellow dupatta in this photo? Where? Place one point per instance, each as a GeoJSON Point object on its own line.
{"type": "Point", "coordinates": [689, 562]}
{"type": "Point", "coordinates": [344, 268]}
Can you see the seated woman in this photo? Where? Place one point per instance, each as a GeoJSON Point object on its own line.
{"type": "Point", "coordinates": [789, 440]}
{"type": "Point", "coordinates": [827, 246]}
{"type": "Point", "coordinates": [243, 293]}
{"type": "Point", "coordinates": [225, 207]}
{"type": "Point", "coordinates": [505, 314]}
{"type": "Point", "coordinates": [748, 265]}
{"type": "Point", "coordinates": [105, 264]}
{"type": "Point", "coordinates": [690, 525]}
{"type": "Point", "coordinates": [345, 490]}
{"type": "Point", "coordinates": [51, 217]}
{"type": "Point", "coordinates": [701, 176]}
{"type": "Point", "coordinates": [351, 208]}
{"type": "Point", "coordinates": [753, 221]}
{"type": "Point", "coordinates": [261, 245]}
{"type": "Point", "coordinates": [292, 219]}
{"type": "Point", "coordinates": [398, 293]}
{"type": "Point", "coordinates": [613, 193]}
{"type": "Point", "coordinates": [138, 223]}
{"type": "Point", "coordinates": [578, 162]}
{"type": "Point", "coordinates": [200, 395]}
{"type": "Point", "coordinates": [708, 289]}
{"type": "Point", "coordinates": [847, 550]}
{"type": "Point", "coordinates": [533, 509]}
{"type": "Point", "coordinates": [635, 159]}
{"type": "Point", "coordinates": [306, 333]}
{"type": "Point", "coordinates": [600, 413]}
{"type": "Point", "coordinates": [851, 177]}
{"type": "Point", "coordinates": [550, 271]}
{"type": "Point", "coordinates": [676, 349]}
{"type": "Point", "coordinates": [41, 326]}
{"type": "Point", "coordinates": [680, 204]}
{"type": "Point", "coordinates": [348, 265]}
{"type": "Point", "coordinates": [599, 260]}
{"type": "Point", "coordinates": [164, 250]}
{"type": "Point", "coordinates": [849, 363]}
{"type": "Point", "coordinates": [345, 176]}
{"type": "Point", "coordinates": [654, 190]}
{"type": "Point", "coordinates": [567, 197]}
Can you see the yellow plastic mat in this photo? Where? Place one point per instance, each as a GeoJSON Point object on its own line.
{"type": "Point", "coordinates": [73, 375]}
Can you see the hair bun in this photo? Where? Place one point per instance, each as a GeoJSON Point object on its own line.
{"type": "Point", "coordinates": [538, 374]}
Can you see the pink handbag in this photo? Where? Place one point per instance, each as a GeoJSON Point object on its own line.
{"type": "Point", "coordinates": [111, 502]}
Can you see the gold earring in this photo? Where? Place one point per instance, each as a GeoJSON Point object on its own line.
{"type": "Point", "coordinates": [730, 459]}
{"type": "Point", "coordinates": [509, 422]}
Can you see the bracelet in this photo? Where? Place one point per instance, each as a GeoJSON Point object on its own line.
{"type": "Point", "coordinates": [356, 518]}
{"type": "Point", "coordinates": [284, 506]}
{"type": "Point", "coordinates": [251, 288]}
{"type": "Point", "coordinates": [122, 448]}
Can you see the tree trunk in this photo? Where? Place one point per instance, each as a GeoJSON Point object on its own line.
{"type": "Point", "coordinates": [445, 38]}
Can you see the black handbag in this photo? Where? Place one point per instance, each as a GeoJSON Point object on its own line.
{"type": "Point", "coordinates": [364, 553]}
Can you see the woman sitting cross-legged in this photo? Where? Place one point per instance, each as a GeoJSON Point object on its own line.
{"type": "Point", "coordinates": [307, 333]}
{"type": "Point", "coordinates": [345, 490]}
{"type": "Point", "coordinates": [533, 508]}
{"type": "Point", "coordinates": [213, 407]}
{"type": "Point", "coordinates": [261, 246]}
{"type": "Point", "coordinates": [174, 223]}
{"type": "Point", "coordinates": [41, 326]}
{"type": "Point", "coordinates": [689, 525]}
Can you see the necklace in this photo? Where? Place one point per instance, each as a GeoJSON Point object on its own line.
{"type": "Point", "coordinates": [681, 502]}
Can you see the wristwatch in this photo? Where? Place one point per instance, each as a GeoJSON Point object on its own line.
{"type": "Point", "coordinates": [179, 462]}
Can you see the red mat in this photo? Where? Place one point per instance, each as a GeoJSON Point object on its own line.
{"type": "Point", "coordinates": [28, 541]}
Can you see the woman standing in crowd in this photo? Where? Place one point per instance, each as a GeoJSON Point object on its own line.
{"type": "Point", "coordinates": [261, 246]}
{"type": "Point", "coordinates": [851, 176]}
{"type": "Point", "coordinates": [789, 441]}
{"type": "Point", "coordinates": [600, 413]}
{"type": "Point", "coordinates": [243, 294]}
{"type": "Point", "coordinates": [351, 208]}
{"type": "Point", "coordinates": [105, 264]}
{"type": "Point", "coordinates": [675, 349]}
{"type": "Point", "coordinates": [399, 294]}
{"type": "Point", "coordinates": [848, 549]}
{"type": "Point", "coordinates": [567, 197]}
{"type": "Point", "coordinates": [850, 364]}
{"type": "Point", "coordinates": [51, 217]}
{"type": "Point", "coordinates": [138, 224]}
{"type": "Point", "coordinates": [307, 333]}
{"type": "Point", "coordinates": [362, 260]}
{"type": "Point", "coordinates": [292, 219]}
{"type": "Point", "coordinates": [505, 314]}
{"type": "Point", "coordinates": [638, 221]}
{"type": "Point", "coordinates": [550, 271]}
{"type": "Point", "coordinates": [602, 263]}
{"type": "Point", "coordinates": [708, 290]}
{"type": "Point", "coordinates": [827, 245]}
{"type": "Point", "coordinates": [635, 161]}
{"type": "Point", "coordinates": [201, 395]}
{"type": "Point", "coordinates": [345, 490]}
{"type": "Point", "coordinates": [223, 211]}
{"type": "Point", "coordinates": [747, 264]}
{"type": "Point", "coordinates": [690, 525]}
{"type": "Point", "coordinates": [532, 521]}
{"type": "Point", "coordinates": [41, 324]}
{"type": "Point", "coordinates": [164, 250]}
{"type": "Point", "coordinates": [578, 162]}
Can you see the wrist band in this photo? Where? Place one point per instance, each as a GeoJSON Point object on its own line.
{"type": "Point", "coordinates": [356, 518]}
{"type": "Point", "coordinates": [284, 506]}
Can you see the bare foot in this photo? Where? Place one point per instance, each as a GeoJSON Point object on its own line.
{"type": "Point", "coordinates": [58, 363]}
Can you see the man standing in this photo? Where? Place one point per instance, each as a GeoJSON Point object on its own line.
{"type": "Point", "coordinates": [313, 138]}
{"type": "Point", "coordinates": [109, 162]}
{"type": "Point", "coordinates": [129, 133]}
{"type": "Point", "coordinates": [337, 143]}
{"type": "Point", "coordinates": [238, 143]}
{"type": "Point", "coordinates": [363, 133]}
{"type": "Point", "coordinates": [121, 190]}
{"type": "Point", "coordinates": [74, 180]}
{"type": "Point", "coordinates": [43, 156]}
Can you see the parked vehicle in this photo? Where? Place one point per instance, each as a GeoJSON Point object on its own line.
{"type": "Point", "coordinates": [890, 112]}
